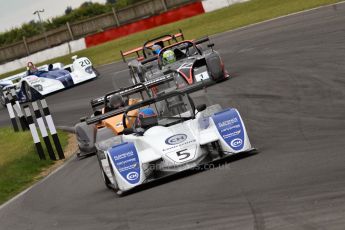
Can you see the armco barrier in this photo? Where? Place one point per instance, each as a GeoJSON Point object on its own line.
{"type": "Point", "coordinates": [180, 13]}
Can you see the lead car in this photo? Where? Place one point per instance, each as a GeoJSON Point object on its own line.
{"type": "Point", "coordinates": [173, 135]}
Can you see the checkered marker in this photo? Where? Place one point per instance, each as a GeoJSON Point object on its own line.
{"type": "Point", "coordinates": [18, 110]}
{"type": "Point", "coordinates": [11, 111]}
{"type": "Point", "coordinates": [43, 130]}
{"type": "Point", "coordinates": [52, 129]}
{"type": "Point", "coordinates": [34, 133]}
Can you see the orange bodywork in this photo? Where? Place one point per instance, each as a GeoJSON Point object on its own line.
{"type": "Point", "coordinates": [115, 123]}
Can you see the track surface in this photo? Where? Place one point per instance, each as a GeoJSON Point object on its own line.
{"type": "Point", "coordinates": [290, 90]}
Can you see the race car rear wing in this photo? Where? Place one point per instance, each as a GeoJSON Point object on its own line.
{"type": "Point", "coordinates": [165, 38]}
{"type": "Point", "coordinates": [132, 90]}
{"type": "Point", "coordinates": [187, 90]}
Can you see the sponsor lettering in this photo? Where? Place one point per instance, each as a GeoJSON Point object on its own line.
{"type": "Point", "coordinates": [236, 142]}
{"type": "Point", "coordinates": [232, 134]}
{"type": "Point", "coordinates": [176, 139]}
{"type": "Point", "coordinates": [227, 122]}
{"type": "Point", "coordinates": [180, 145]}
{"type": "Point", "coordinates": [230, 128]}
{"type": "Point", "coordinates": [132, 176]}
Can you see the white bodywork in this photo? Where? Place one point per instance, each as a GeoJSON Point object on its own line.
{"type": "Point", "coordinates": [79, 71]}
{"type": "Point", "coordinates": [174, 148]}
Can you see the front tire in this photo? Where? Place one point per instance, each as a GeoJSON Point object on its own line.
{"type": "Point", "coordinates": [28, 92]}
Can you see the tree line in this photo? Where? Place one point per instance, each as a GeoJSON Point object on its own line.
{"type": "Point", "coordinates": [85, 10]}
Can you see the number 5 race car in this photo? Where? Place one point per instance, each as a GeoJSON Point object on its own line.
{"type": "Point", "coordinates": [168, 135]}
{"type": "Point", "coordinates": [46, 79]}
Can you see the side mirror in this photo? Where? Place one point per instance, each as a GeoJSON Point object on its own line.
{"type": "Point", "coordinates": [128, 131]}
{"type": "Point", "coordinates": [201, 107]}
{"type": "Point", "coordinates": [82, 119]}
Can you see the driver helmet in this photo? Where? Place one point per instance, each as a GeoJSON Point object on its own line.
{"type": "Point", "coordinates": [147, 118]}
{"type": "Point", "coordinates": [116, 101]}
{"type": "Point", "coordinates": [169, 57]}
{"type": "Point", "coordinates": [156, 49]}
{"type": "Point", "coordinates": [31, 67]}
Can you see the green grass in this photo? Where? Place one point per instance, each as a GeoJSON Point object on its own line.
{"type": "Point", "coordinates": [232, 17]}
{"type": "Point", "coordinates": [19, 162]}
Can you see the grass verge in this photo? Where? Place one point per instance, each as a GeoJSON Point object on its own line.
{"type": "Point", "coordinates": [20, 166]}
{"type": "Point", "coordinates": [232, 17]}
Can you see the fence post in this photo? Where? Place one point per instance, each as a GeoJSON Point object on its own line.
{"type": "Point", "coordinates": [116, 17]}
{"type": "Point", "coordinates": [164, 5]}
{"type": "Point", "coordinates": [34, 133]}
{"type": "Point", "coordinates": [70, 31]}
{"type": "Point", "coordinates": [52, 129]}
{"type": "Point", "coordinates": [43, 130]}
{"type": "Point", "coordinates": [26, 45]}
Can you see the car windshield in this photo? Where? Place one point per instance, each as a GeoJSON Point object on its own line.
{"type": "Point", "coordinates": [171, 110]}
{"type": "Point", "coordinates": [179, 50]}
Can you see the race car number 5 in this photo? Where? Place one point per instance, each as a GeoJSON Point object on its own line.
{"type": "Point", "coordinates": [182, 155]}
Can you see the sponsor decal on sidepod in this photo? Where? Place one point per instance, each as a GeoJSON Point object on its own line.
{"type": "Point", "coordinates": [126, 160]}
{"type": "Point", "coordinates": [230, 128]}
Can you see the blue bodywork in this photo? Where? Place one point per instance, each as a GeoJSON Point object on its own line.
{"type": "Point", "coordinates": [230, 128]}
{"type": "Point", "coordinates": [62, 75]}
{"type": "Point", "coordinates": [126, 160]}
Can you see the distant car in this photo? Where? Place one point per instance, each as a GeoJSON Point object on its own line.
{"type": "Point", "coordinates": [193, 63]}
{"type": "Point", "coordinates": [87, 135]}
{"type": "Point", "coordinates": [177, 136]}
{"type": "Point", "coordinates": [48, 79]}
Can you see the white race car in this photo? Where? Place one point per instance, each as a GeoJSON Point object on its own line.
{"type": "Point", "coordinates": [48, 79]}
{"type": "Point", "coordinates": [168, 135]}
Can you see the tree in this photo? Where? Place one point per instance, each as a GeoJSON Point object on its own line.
{"type": "Point", "coordinates": [111, 1]}
{"type": "Point", "coordinates": [68, 10]}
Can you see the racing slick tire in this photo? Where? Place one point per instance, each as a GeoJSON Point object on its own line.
{"type": "Point", "coordinates": [30, 93]}
{"type": "Point", "coordinates": [104, 176]}
{"type": "Point", "coordinates": [214, 66]}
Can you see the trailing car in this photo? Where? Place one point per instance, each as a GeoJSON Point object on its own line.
{"type": "Point", "coordinates": [190, 62]}
{"type": "Point", "coordinates": [118, 99]}
{"type": "Point", "coordinates": [168, 135]}
{"type": "Point", "coordinates": [46, 79]}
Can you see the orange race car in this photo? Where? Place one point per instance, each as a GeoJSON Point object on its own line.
{"type": "Point", "coordinates": [113, 102]}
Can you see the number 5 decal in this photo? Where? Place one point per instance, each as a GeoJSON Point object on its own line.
{"type": "Point", "coordinates": [182, 155]}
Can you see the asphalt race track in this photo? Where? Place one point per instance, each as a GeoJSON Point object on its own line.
{"type": "Point", "coordinates": [289, 86]}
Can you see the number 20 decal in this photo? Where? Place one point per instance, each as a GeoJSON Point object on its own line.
{"type": "Point", "coordinates": [85, 63]}
{"type": "Point", "coordinates": [182, 155]}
